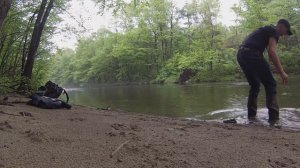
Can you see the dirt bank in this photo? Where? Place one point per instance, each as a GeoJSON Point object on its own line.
{"type": "Point", "coordinates": [87, 137]}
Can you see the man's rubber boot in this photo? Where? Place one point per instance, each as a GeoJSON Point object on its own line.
{"type": "Point", "coordinates": [252, 107]}
{"type": "Point", "coordinates": [273, 108]}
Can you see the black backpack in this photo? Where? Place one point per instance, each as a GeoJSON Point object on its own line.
{"type": "Point", "coordinates": [47, 102]}
{"type": "Point", "coordinates": [52, 90]}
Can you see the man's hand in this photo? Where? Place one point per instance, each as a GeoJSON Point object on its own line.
{"type": "Point", "coordinates": [284, 78]}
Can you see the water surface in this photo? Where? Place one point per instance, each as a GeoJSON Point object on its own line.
{"type": "Point", "coordinates": [209, 101]}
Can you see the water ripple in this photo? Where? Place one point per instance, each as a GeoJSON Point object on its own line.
{"type": "Point", "coordinates": [289, 117]}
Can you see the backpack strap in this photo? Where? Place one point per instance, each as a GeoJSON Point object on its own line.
{"type": "Point", "coordinates": [67, 95]}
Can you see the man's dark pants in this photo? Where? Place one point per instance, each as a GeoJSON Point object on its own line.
{"type": "Point", "coordinates": [257, 71]}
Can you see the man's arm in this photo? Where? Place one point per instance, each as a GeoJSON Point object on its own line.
{"type": "Point", "coordinates": [275, 59]}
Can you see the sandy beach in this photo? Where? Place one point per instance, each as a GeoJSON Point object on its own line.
{"type": "Point", "coordinates": [85, 137]}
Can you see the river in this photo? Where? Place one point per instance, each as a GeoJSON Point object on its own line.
{"type": "Point", "coordinates": [208, 101]}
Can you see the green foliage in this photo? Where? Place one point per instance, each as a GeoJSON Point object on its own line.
{"type": "Point", "coordinates": [291, 59]}
{"type": "Point", "coordinates": [155, 41]}
{"type": "Point", "coordinates": [106, 57]}
{"type": "Point", "coordinates": [15, 36]}
{"type": "Point", "coordinates": [158, 42]}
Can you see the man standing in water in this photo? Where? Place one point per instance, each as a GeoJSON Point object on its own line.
{"type": "Point", "coordinates": [257, 70]}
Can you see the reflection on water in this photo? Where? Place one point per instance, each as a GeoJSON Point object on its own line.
{"type": "Point", "coordinates": [203, 101]}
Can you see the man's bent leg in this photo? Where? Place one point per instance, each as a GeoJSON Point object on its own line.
{"type": "Point", "coordinates": [252, 107]}
{"type": "Point", "coordinates": [271, 100]}
{"type": "Point", "coordinates": [273, 107]}
{"type": "Point", "coordinates": [252, 98]}
{"type": "Point", "coordinates": [254, 84]}
{"type": "Point", "coordinates": [271, 93]}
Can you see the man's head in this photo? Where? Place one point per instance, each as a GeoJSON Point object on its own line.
{"type": "Point", "coordinates": [284, 27]}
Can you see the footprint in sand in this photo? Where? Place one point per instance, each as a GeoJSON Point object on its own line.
{"type": "Point", "coordinates": [124, 130]}
{"type": "Point", "coordinates": [60, 140]}
{"type": "Point", "coordinates": [77, 119]}
{"type": "Point", "coordinates": [293, 147]}
{"type": "Point", "coordinates": [119, 127]}
{"type": "Point", "coordinates": [135, 128]}
{"type": "Point", "coordinates": [5, 126]}
{"type": "Point", "coordinates": [36, 136]}
{"type": "Point", "coordinates": [283, 162]}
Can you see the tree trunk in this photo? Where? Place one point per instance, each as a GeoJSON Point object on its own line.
{"type": "Point", "coordinates": [163, 46]}
{"type": "Point", "coordinates": [4, 8]}
{"type": "Point", "coordinates": [188, 32]}
{"type": "Point", "coordinates": [171, 32]}
{"type": "Point", "coordinates": [26, 39]}
{"type": "Point", "coordinates": [41, 20]}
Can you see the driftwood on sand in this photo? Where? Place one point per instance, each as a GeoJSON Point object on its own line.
{"type": "Point", "coordinates": [121, 146]}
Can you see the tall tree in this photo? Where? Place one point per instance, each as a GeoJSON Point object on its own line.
{"type": "Point", "coordinates": [209, 11]}
{"type": "Point", "coordinates": [40, 23]}
{"type": "Point", "coordinates": [4, 8]}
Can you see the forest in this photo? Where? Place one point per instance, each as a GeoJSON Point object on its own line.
{"type": "Point", "coordinates": [156, 42]}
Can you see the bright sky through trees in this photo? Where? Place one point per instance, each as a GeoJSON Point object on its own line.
{"type": "Point", "coordinates": [84, 15]}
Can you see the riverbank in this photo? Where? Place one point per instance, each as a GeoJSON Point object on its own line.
{"type": "Point", "coordinates": [87, 137]}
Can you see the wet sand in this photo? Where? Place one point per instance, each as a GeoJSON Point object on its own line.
{"type": "Point", "coordinates": [87, 137]}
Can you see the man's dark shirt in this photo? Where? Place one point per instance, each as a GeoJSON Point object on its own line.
{"type": "Point", "coordinates": [259, 39]}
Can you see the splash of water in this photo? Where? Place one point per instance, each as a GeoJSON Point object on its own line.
{"type": "Point", "coordinates": [289, 117]}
